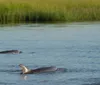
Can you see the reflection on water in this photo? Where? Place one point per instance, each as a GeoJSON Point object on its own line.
{"type": "Point", "coordinates": [24, 77]}
{"type": "Point", "coordinates": [72, 46]}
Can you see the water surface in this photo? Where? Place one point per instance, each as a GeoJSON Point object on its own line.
{"type": "Point", "coordinates": [74, 46]}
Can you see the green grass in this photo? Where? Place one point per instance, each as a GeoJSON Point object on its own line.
{"type": "Point", "coordinates": [25, 11]}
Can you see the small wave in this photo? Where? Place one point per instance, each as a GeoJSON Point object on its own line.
{"type": "Point", "coordinates": [6, 70]}
{"type": "Point", "coordinates": [83, 70]}
{"type": "Point", "coordinates": [93, 84]}
{"type": "Point", "coordinates": [5, 83]}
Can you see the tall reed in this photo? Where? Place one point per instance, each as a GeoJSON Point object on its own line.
{"type": "Point", "coordinates": [17, 11]}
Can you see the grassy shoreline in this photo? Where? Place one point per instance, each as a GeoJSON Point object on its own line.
{"type": "Point", "coordinates": [26, 11]}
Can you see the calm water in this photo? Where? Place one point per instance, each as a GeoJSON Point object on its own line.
{"type": "Point", "coordinates": [74, 46]}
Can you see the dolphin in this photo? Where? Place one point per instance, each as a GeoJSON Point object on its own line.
{"type": "Point", "coordinates": [10, 52]}
{"type": "Point", "coordinates": [25, 70]}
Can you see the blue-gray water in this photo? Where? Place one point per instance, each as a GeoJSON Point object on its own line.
{"type": "Point", "coordinates": [74, 46]}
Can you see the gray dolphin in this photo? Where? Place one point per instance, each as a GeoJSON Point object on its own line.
{"type": "Point", "coordinates": [25, 70]}
{"type": "Point", "coordinates": [10, 52]}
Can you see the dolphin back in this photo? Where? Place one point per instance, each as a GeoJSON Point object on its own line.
{"type": "Point", "coordinates": [10, 51]}
{"type": "Point", "coordinates": [44, 69]}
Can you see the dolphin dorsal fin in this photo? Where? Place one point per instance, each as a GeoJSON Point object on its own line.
{"type": "Point", "coordinates": [24, 68]}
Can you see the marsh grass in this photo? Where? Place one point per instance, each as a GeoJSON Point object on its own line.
{"type": "Point", "coordinates": [17, 11]}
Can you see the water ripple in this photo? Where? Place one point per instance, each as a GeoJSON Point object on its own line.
{"type": "Point", "coordinates": [4, 83]}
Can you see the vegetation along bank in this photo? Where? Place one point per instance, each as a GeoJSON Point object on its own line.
{"type": "Point", "coordinates": [26, 11]}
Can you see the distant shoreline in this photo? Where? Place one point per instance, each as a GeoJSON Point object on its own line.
{"type": "Point", "coordinates": [37, 11]}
